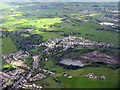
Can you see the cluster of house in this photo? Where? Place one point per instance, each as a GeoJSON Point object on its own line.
{"type": "Point", "coordinates": [46, 71]}
{"type": "Point", "coordinates": [112, 18]}
{"type": "Point", "coordinates": [71, 41]}
{"type": "Point", "coordinates": [100, 57]}
{"type": "Point", "coordinates": [23, 84]}
{"type": "Point", "coordinates": [36, 77]}
{"type": "Point", "coordinates": [16, 58]}
{"type": "Point", "coordinates": [36, 61]}
{"type": "Point", "coordinates": [116, 11]}
{"type": "Point", "coordinates": [16, 15]}
{"type": "Point", "coordinates": [107, 23]}
{"type": "Point", "coordinates": [29, 86]}
{"type": "Point", "coordinates": [10, 76]}
{"type": "Point", "coordinates": [92, 76]}
{"type": "Point", "coordinates": [88, 11]}
{"type": "Point", "coordinates": [29, 30]}
{"type": "Point", "coordinates": [14, 77]}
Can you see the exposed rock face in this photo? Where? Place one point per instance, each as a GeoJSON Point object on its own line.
{"type": "Point", "coordinates": [100, 57]}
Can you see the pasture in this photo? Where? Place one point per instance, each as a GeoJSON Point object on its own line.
{"type": "Point", "coordinates": [88, 30]}
{"type": "Point", "coordinates": [35, 17]}
{"type": "Point", "coordinates": [49, 64]}
{"type": "Point", "coordinates": [57, 69]}
{"type": "Point", "coordinates": [7, 46]}
{"type": "Point", "coordinates": [79, 80]}
{"type": "Point", "coordinates": [17, 24]}
{"type": "Point", "coordinates": [48, 83]}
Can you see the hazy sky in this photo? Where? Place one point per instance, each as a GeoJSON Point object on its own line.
{"type": "Point", "coordinates": [59, 0]}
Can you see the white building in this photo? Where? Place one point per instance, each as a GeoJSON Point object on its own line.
{"type": "Point", "coordinates": [107, 23]}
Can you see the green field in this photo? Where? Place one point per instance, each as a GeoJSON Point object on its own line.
{"type": "Point", "coordinates": [48, 83]}
{"type": "Point", "coordinates": [19, 21]}
{"type": "Point", "coordinates": [80, 81]}
{"type": "Point", "coordinates": [90, 28]}
{"type": "Point", "coordinates": [58, 69]}
{"type": "Point", "coordinates": [35, 18]}
{"type": "Point", "coordinates": [8, 46]}
{"type": "Point", "coordinates": [49, 64]}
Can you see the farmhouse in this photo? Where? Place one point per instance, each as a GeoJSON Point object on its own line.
{"type": "Point", "coordinates": [65, 74]}
{"type": "Point", "coordinates": [92, 76]}
{"type": "Point", "coordinates": [107, 23]}
{"type": "Point", "coordinates": [115, 11]}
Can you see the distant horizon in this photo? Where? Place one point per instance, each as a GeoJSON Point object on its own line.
{"type": "Point", "coordinates": [60, 0]}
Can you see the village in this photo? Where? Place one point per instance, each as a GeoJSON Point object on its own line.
{"type": "Point", "coordinates": [17, 59]}
{"type": "Point", "coordinates": [71, 42]}
{"type": "Point", "coordinates": [17, 74]}
{"type": "Point", "coordinates": [65, 44]}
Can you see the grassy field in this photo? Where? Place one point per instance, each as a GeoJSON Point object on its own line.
{"type": "Point", "coordinates": [90, 28]}
{"type": "Point", "coordinates": [78, 81]}
{"type": "Point", "coordinates": [16, 24]}
{"type": "Point", "coordinates": [58, 69]}
{"type": "Point", "coordinates": [49, 64]}
{"type": "Point", "coordinates": [28, 17]}
{"type": "Point", "coordinates": [50, 35]}
{"type": "Point", "coordinates": [71, 72]}
{"type": "Point", "coordinates": [84, 82]}
{"type": "Point", "coordinates": [48, 83]}
{"type": "Point", "coordinates": [83, 28]}
{"type": "Point", "coordinates": [8, 46]}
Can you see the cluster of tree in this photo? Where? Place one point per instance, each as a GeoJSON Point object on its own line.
{"type": "Point", "coordinates": [65, 35]}
{"type": "Point", "coordinates": [73, 51]}
{"type": "Point", "coordinates": [105, 65]}
{"type": "Point", "coordinates": [52, 31]}
{"type": "Point", "coordinates": [114, 29]}
{"type": "Point", "coordinates": [22, 42]}
{"type": "Point", "coordinates": [36, 50]}
{"type": "Point", "coordinates": [89, 35]}
{"type": "Point", "coordinates": [36, 71]}
{"type": "Point", "coordinates": [111, 51]}
{"type": "Point", "coordinates": [95, 5]}
{"type": "Point", "coordinates": [29, 61]}
{"type": "Point", "coordinates": [68, 66]}
{"type": "Point", "coordinates": [6, 69]}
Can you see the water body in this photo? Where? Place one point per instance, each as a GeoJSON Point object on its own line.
{"type": "Point", "coordinates": [71, 62]}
